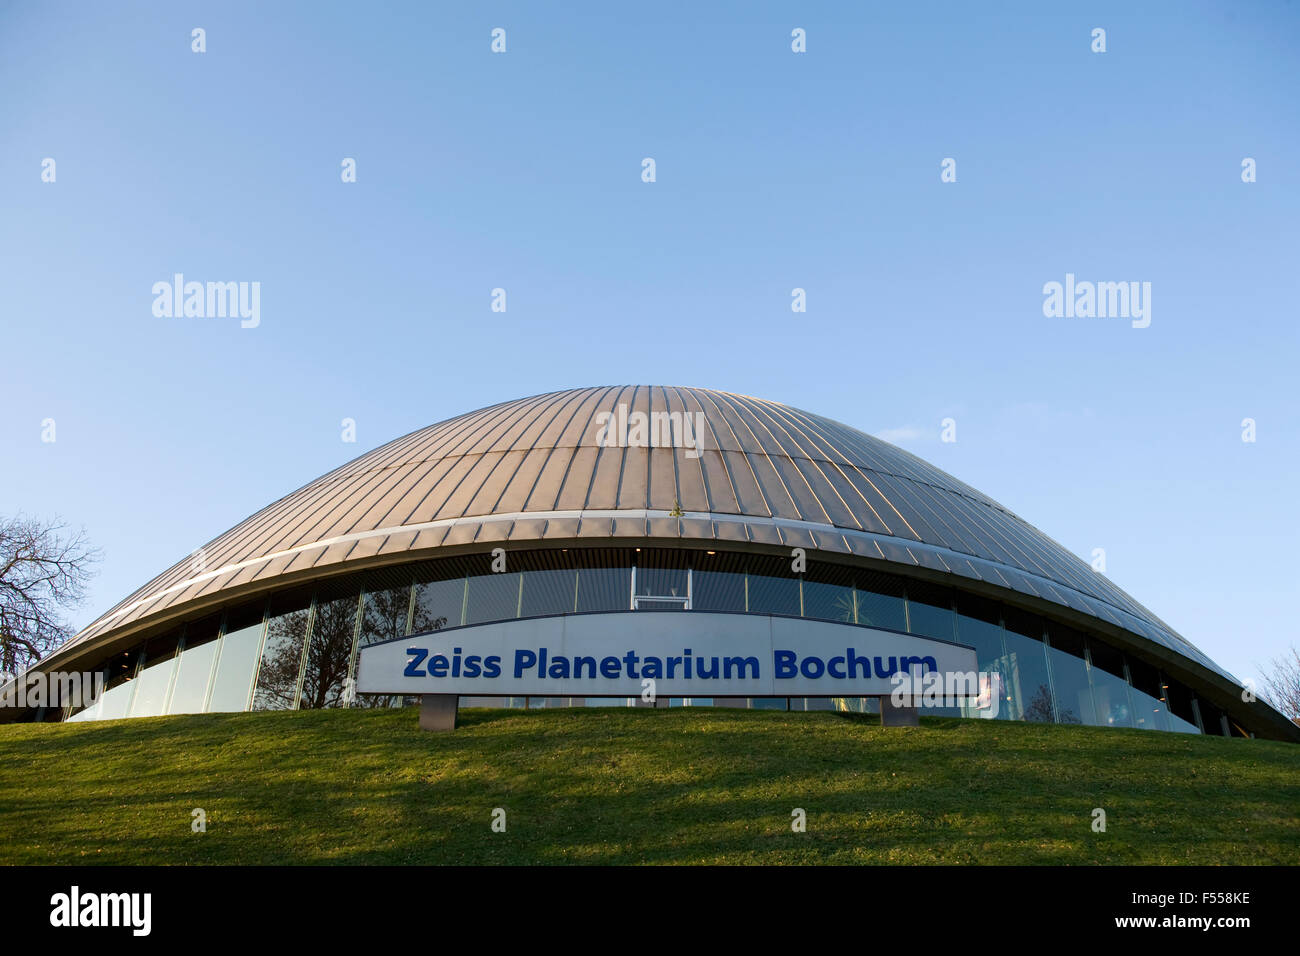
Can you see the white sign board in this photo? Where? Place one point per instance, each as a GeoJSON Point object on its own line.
{"type": "Point", "coordinates": [685, 654]}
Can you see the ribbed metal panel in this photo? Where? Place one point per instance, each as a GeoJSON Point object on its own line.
{"type": "Point", "coordinates": [532, 470]}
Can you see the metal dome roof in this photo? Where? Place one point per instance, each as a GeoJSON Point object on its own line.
{"type": "Point", "coordinates": [533, 470]}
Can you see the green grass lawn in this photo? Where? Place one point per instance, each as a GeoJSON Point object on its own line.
{"type": "Point", "coordinates": [621, 785]}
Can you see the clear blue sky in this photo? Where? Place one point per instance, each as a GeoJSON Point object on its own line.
{"type": "Point", "coordinates": [775, 171]}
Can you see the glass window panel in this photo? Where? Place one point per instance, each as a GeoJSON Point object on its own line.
{"type": "Point", "coordinates": [929, 620]}
{"type": "Point", "coordinates": [771, 587]}
{"type": "Point", "coordinates": [773, 595]}
{"type": "Point", "coordinates": [1066, 639]}
{"type": "Point", "coordinates": [1070, 677]}
{"type": "Point", "coordinates": [548, 703]}
{"type": "Point", "coordinates": [286, 631]}
{"type": "Point", "coordinates": [1211, 717]}
{"type": "Point", "coordinates": [978, 625]}
{"type": "Point", "coordinates": [549, 592]}
{"type": "Point", "coordinates": [120, 668]}
{"type": "Point", "coordinates": [856, 705]}
{"type": "Point", "coordinates": [241, 643]}
{"type": "Point", "coordinates": [492, 597]}
{"type": "Point", "coordinates": [1110, 691]}
{"type": "Point", "coordinates": [1178, 725]}
{"type": "Point", "coordinates": [929, 612]}
{"type": "Point", "coordinates": [827, 602]}
{"type": "Point", "coordinates": [1111, 698]}
{"type": "Point", "coordinates": [495, 702]}
{"type": "Point", "coordinates": [828, 593]}
{"type": "Point", "coordinates": [155, 677]}
{"type": "Point", "coordinates": [1022, 622]}
{"type": "Point", "coordinates": [660, 572]}
{"type": "Point", "coordinates": [604, 589]}
{"type": "Point", "coordinates": [384, 613]}
{"type": "Point", "coordinates": [1026, 667]}
{"type": "Point", "coordinates": [1026, 675]}
{"type": "Point", "coordinates": [986, 638]}
{"type": "Point", "coordinates": [194, 670]}
{"type": "Point", "coordinates": [880, 602]}
{"type": "Point", "coordinates": [329, 652]}
{"type": "Point", "coordinates": [386, 607]}
{"type": "Point", "coordinates": [438, 604]}
{"type": "Point", "coordinates": [661, 583]}
{"type": "Point", "coordinates": [827, 573]}
{"type": "Point", "coordinates": [718, 591]}
{"type": "Point", "coordinates": [115, 700]}
{"type": "Point", "coordinates": [1105, 657]}
{"type": "Point", "coordinates": [1181, 716]}
{"type": "Point", "coordinates": [718, 583]}
{"type": "Point", "coordinates": [1149, 710]}
{"type": "Point", "coordinates": [812, 703]}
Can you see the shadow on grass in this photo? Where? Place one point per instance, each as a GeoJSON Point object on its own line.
{"type": "Point", "coordinates": [623, 785]}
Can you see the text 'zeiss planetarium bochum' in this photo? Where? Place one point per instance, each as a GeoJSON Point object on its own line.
{"type": "Point", "coordinates": [575, 548]}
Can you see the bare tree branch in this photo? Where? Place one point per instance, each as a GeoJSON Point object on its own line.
{"type": "Point", "coordinates": [43, 573]}
{"type": "Point", "coordinates": [1281, 686]}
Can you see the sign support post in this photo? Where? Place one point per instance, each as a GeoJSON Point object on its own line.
{"type": "Point", "coordinates": [438, 712]}
{"type": "Point", "coordinates": [894, 715]}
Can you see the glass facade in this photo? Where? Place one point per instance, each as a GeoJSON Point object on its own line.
{"type": "Point", "coordinates": [298, 649]}
{"type": "Point", "coordinates": [979, 624]}
{"type": "Point", "coordinates": [771, 589]}
{"type": "Point", "coordinates": [157, 667]}
{"type": "Point", "coordinates": [718, 583]}
{"type": "Point", "coordinates": [604, 588]}
{"type": "Point", "coordinates": [880, 603]}
{"type": "Point", "coordinates": [281, 658]}
{"type": "Point", "coordinates": [1148, 695]}
{"type": "Point", "coordinates": [332, 645]}
{"type": "Point", "coordinates": [439, 604]}
{"type": "Point", "coordinates": [1112, 697]}
{"type": "Point", "coordinates": [1182, 707]}
{"type": "Point", "coordinates": [241, 642]}
{"type": "Point", "coordinates": [194, 669]}
{"type": "Point", "coordinates": [118, 672]}
{"type": "Point", "coordinates": [1025, 667]}
{"type": "Point", "coordinates": [1071, 686]}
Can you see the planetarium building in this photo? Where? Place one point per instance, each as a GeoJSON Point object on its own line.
{"type": "Point", "coordinates": [585, 525]}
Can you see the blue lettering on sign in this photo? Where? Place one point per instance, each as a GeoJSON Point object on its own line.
{"type": "Point", "coordinates": [413, 665]}
{"type": "Point", "coordinates": [542, 664]}
{"type": "Point", "coordinates": [784, 662]}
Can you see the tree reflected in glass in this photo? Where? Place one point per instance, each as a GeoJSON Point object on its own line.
{"type": "Point", "coordinates": [328, 654]}
{"type": "Point", "coordinates": [383, 618]}
{"type": "Point", "coordinates": [277, 679]}
{"type": "Point", "coordinates": [1039, 709]}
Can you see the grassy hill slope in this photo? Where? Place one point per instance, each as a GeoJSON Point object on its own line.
{"type": "Point", "coordinates": [636, 786]}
